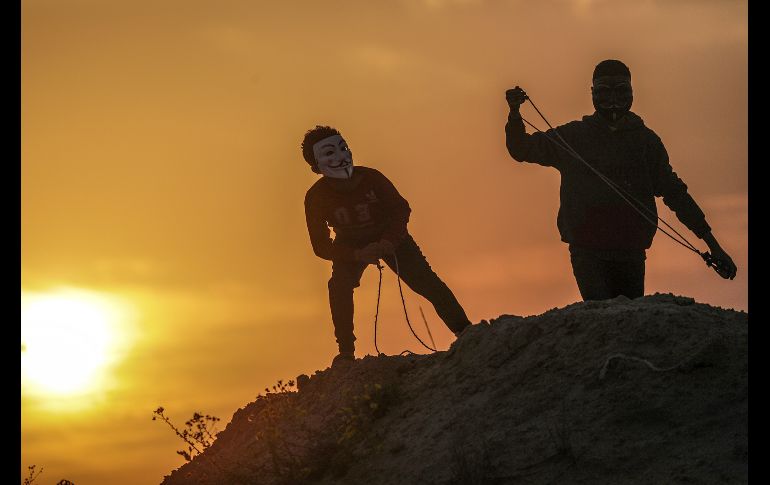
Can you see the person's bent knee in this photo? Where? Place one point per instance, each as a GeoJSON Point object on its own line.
{"type": "Point", "coordinates": [342, 284]}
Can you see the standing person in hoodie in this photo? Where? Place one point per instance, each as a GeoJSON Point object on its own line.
{"type": "Point", "coordinates": [369, 219]}
{"type": "Point", "coordinates": [607, 238]}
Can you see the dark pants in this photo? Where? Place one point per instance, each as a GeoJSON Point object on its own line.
{"type": "Point", "coordinates": [414, 271]}
{"type": "Point", "coordinates": [601, 279]}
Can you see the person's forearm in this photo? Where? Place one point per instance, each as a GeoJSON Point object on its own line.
{"type": "Point", "coordinates": [324, 247]}
{"type": "Point", "coordinates": [524, 147]}
{"type": "Point", "coordinates": [515, 136]}
{"type": "Point", "coordinates": [711, 241]}
{"type": "Point", "coordinates": [396, 230]}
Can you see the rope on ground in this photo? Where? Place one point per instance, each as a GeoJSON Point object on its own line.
{"type": "Point", "coordinates": [646, 362]}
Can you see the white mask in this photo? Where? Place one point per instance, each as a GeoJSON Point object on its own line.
{"type": "Point", "coordinates": [334, 157]}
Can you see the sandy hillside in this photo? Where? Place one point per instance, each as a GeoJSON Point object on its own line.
{"type": "Point", "coordinates": [653, 390]}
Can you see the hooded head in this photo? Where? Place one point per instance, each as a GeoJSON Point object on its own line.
{"type": "Point", "coordinates": [611, 91]}
{"type": "Point", "coordinates": [327, 152]}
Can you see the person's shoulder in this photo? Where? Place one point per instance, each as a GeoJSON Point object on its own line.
{"type": "Point", "coordinates": [370, 173]}
{"type": "Point", "coordinates": [572, 129]}
{"type": "Point", "coordinates": [573, 124]}
{"type": "Point", "coordinates": [648, 136]}
{"type": "Point", "coordinates": [633, 121]}
{"type": "Point", "coordinates": [648, 132]}
{"type": "Point", "coordinates": [367, 170]}
{"type": "Point", "coordinates": [314, 190]}
{"type": "Point", "coordinates": [651, 135]}
{"type": "Point", "coordinates": [592, 120]}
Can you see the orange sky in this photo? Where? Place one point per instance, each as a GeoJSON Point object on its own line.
{"type": "Point", "coordinates": [161, 165]}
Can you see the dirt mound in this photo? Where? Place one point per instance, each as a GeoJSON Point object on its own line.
{"type": "Point", "coordinates": [652, 390]}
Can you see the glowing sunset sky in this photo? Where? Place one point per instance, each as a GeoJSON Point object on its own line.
{"type": "Point", "coordinates": [161, 169]}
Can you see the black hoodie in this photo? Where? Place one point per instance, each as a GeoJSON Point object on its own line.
{"type": "Point", "coordinates": [591, 214]}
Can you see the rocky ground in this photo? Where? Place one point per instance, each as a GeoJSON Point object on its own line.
{"type": "Point", "coordinates": [652, 390]}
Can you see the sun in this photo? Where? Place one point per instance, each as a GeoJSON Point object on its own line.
{"type": "Point", "coordinates": [67, 340]}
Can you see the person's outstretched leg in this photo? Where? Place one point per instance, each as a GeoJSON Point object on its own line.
{"type": "Point", "coordinates": [415, 271]}
{"type": "Point", "coordinates": [345, 277]}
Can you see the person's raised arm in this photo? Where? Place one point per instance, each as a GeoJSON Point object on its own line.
{"type": "Point", "coordinates": [523, 147]}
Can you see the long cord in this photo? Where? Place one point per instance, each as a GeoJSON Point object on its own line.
{"type": "Point", "coordinates": [610, 182]}
{"type": "Point", "coordinates": [615, 187]}
{"type": "Point", "coordinates": [406, 314]}
{"type": "Point", "coordinates": [403, 302]}
{"type": "Point", "coordinates": [377, 310]}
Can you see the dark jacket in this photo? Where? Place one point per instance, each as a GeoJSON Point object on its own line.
{"type": "Point", "coordinates": [591, 214]}
{"type": "Point", "coordinates": [371, 210]}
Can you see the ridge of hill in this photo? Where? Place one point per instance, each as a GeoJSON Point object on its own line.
{"type": "Point", "coordinates": [651, 390]}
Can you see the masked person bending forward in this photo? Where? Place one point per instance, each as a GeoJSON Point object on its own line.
{"type": "Point", "coordinates": [607, 237]}
{"type": "Point", "coordinates": [369, 219]}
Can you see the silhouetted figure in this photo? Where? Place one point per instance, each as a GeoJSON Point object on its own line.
{"type": "Point", "coordinates": [369, 219]}
{"type": "Point", "coordinates": [607, 238]}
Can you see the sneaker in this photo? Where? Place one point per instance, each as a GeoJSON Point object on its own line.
{"type": "Point", "coordinates": [343, 357]}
